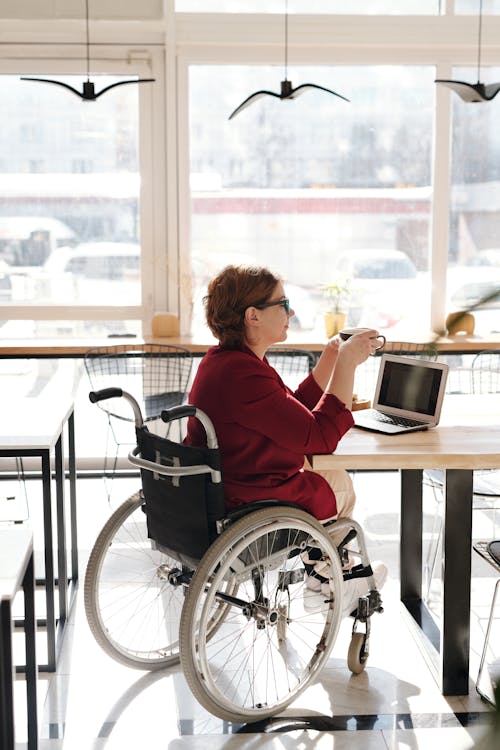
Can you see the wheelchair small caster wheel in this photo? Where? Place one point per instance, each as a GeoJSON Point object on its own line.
{"type": "Point", "coordinates": [357, 656]}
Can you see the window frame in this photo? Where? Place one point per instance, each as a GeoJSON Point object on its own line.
{"type": "Point", "coordinates": [342, 40]}
{"type": "Point", "coordinates": [39, 60]}
{"type": "Point", "coordinates": [165, 49]}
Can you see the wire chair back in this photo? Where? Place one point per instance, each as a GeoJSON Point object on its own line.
{"type": "Point", "coordinates": [412, 349]}
{"type": "Point", "coordinates": [157, 375]}
{"type": "Point", "coordinates": [293, 365]}
{"type": "Point", "coordinates": [485, 370]}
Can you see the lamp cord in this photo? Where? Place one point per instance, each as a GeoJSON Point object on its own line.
{"type": "Point", "coordinates": [480, 32]}
{"type": "Point", "coordinates": [286, 40]}
{"type": "Point", "coordinates": [88, 37]}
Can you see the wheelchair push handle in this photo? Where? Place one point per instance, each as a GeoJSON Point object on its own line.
{"type": "Point", "coordinates": [188, 410]}
{"type": "Point", "coordinates": [105, 393]}
{"type": "Point", "coordinates": [167, 415]}
{"type": "Point", "coordinates": [177, 412]}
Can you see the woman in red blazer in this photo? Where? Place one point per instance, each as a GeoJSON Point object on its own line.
{"type": "Point", "coordinates": [265, 431]}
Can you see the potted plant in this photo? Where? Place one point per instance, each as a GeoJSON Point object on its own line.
{"type": "Point", "coordinates": [337, 295]}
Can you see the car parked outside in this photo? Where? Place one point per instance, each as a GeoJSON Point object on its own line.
{"type": "Point", "coordinates": [487, 257]}
{"type": "Point", "coordinates": [385, 286]}
{"type": "Point", "coordinates": [27, 241]}
{"type": "Point", "coordinates": [92, 273]}
{"type": "Point", "coordinates": [5, 281]}
{"type": "Point", "coordinates": [476, 289]}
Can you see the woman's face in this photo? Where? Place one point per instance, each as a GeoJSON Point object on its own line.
{"type": "Point", "coordinates": [275, 318]}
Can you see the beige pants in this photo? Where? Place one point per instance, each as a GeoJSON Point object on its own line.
{"type": "Point", "coordinates": [341, 483]}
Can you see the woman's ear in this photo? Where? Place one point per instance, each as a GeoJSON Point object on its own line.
{"type": "Point", "coordinates": [252, 317]}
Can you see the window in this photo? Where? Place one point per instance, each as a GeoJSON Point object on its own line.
{"type": "Point", "coordinates": [69, 227]}
{"type": "Point", "coordinates": [474, 251]}
{"type": "Point", "coordinates": [297, 185]}
{"type": "Point", "coordinates": [316, 186]}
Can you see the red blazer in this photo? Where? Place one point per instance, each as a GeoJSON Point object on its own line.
{"type": "Point", "coordinates": [264, 430]}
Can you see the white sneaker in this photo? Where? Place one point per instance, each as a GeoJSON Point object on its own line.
{"type": "Point", "coordinates": [356, 587]}
{"type": "Point", "coordinates": [314, 600]}
{"type": "Point", "coordinates": [313, 583]}
{"type": "Point", "coordinates": [353, 589]}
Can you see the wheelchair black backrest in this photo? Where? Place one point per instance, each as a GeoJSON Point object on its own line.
{"type": "Point", "coordinates": [181, 511]}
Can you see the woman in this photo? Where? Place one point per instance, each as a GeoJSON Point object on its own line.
{"type": "Point", "coordinates": [264, 430]}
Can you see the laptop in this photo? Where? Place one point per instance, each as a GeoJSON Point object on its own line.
{"type": "Point", "coordinates": [408, 396]}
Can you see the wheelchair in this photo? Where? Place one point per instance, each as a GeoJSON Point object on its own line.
{"type": "Point", "coordinates": [174, 577]}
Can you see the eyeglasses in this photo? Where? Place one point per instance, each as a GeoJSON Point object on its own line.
{"type": "Point", "coordinates": [284, 303]}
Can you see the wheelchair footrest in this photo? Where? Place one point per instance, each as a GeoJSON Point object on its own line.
{"type": "Point", "coordinates": [358, 571]}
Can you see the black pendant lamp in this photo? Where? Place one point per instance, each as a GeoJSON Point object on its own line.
{"type": "Point", "coordinates": [88, 92]}
{"type": "Point", "coordinates": [474, 92]}
{"type": "Point", "coordinates": [287, 91]}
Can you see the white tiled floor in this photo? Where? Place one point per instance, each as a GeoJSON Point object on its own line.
{"type": "Point", "coordinates": [93, 702]}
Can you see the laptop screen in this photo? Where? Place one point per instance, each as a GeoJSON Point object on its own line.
{"type": "Point", "coordinates": [410, 387]}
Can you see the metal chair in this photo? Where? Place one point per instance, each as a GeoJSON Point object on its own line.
{"type": "Point", "coordinates": [426, 350]}
{"type": "Point", "coordinates": [485, 370]}
{"type": "Point", "coordinates": [484, 378]}
{"type": "Point", "coordinates": [489, 551]}
{"type": "Point", "coordinates": [158, 375]}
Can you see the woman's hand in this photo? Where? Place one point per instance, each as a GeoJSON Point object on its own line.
{"type": "Point", "coordinates": [331, 350]}
{"type": "Point", "coordinates": [359, 346]}
{"type": "Point", "coordinates": [352, 353]}
{"type": "Point", "coordinates": [324, 367]}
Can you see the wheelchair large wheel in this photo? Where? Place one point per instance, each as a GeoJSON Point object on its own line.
{"type": "Point", "coordinates": [275, 635]}
{"type": "Point", "coordinates": [132, 609]}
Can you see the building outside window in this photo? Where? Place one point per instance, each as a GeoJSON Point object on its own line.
{"type": "Point", "coordinates": [69, 209]}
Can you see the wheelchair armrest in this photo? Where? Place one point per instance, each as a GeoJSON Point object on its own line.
{"type": "Point", "coordinates": [136, 459]}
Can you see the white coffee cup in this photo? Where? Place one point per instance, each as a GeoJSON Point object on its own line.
{"type": "Point", "coordinates": [346, 333]}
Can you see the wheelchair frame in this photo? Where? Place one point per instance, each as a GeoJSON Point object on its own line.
{"type": "Point", "coordinates": [234, 608]}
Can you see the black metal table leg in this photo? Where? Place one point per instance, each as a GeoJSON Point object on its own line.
{"type": "Point", "coordinates": [30, 652]}
{"type": "Point", "coordinates": [457, 541]}
{"type": "Point", "coordinates": [410, 549]}
{"type": "Point", "coordinates": [62, 563]}
{"type": "Point", "coordinates": [7, 733]}
{"type": "Point", "coordinates": [72, 497]}
{"type": "Point", "coordinates": [49, 579]}
{"type": "Point", "coordinates": [447, 647]}
{"type": "Point", "coordinates": [18, 571]}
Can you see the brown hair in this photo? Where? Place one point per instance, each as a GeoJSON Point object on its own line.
{"type": "Point", "coordinates": [229, 294]}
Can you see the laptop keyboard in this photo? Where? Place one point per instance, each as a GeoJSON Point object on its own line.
{"type": "Point", "coordinates": [400, 421]}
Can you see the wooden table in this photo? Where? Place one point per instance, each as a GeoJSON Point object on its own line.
{"type": "Point", "coordinates": [16, 571]}
{"type": "Point", "coordinates": [74, 347]}
{"type": "Point", "coordinates": [468, 438]}
{"type": "Point", "coordinates": [36, 427]}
